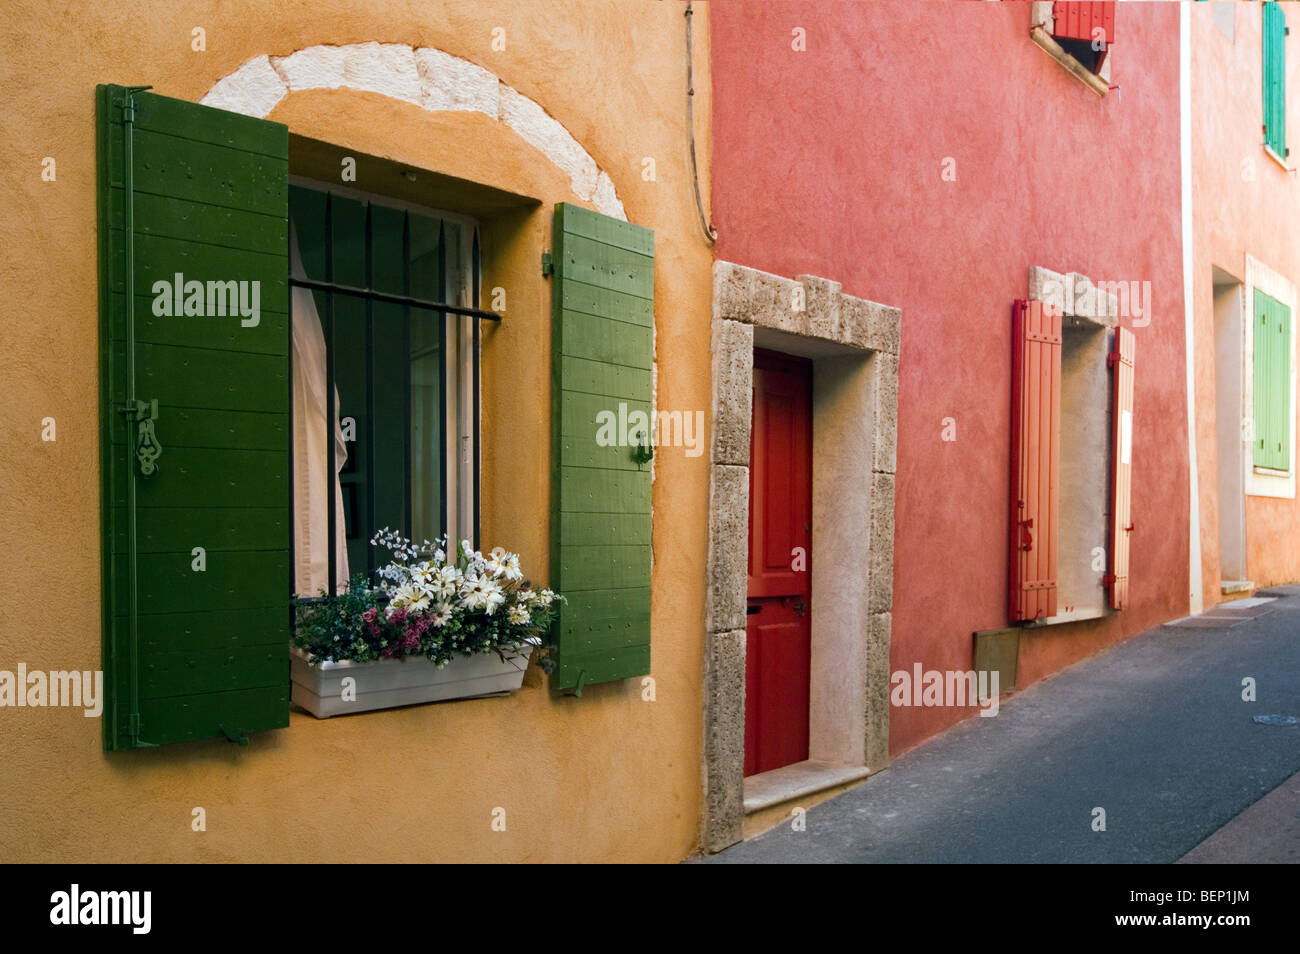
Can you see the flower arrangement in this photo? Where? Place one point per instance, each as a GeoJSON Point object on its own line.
{"type": "Point", "coordinates": [427, 604]}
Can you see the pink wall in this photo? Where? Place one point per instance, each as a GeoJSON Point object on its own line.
{"type": "Point", "coordinates": [828, 162]}
{"type": "Point", "coordinates": [1236, 215]}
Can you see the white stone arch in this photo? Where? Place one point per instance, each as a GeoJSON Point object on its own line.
{"type": "Point", "coordinates": [426, 77]}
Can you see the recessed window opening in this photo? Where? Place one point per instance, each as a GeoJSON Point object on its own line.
{"type": "Point", "coordinates": [384, 379]}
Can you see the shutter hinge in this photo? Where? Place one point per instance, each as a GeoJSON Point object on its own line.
{"type": "Point", "coordinates": [1108, 579]}
{"type": "Point", "coordinates": [235, 735]}
{"type": "Point", "coordinates": [548, 264]}
{"type": "Point", "coordinates": [133, 730]}
{"type": "Point", "coordinates": [1112, 359]}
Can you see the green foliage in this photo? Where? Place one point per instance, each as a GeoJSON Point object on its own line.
{"type": "Point", "coordinates": [429, 607]}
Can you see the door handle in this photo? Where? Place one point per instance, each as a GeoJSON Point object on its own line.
{"type": "Point", "coordinates": [797, 604]}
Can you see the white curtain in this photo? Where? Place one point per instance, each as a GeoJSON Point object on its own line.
{"type": "Point", "coordinates": [311, 490]}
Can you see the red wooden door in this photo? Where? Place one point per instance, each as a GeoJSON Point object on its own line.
{"type": "Point", "coordinates": [778, 635]}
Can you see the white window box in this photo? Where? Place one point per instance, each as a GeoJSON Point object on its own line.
{"type": "Point", "coordinates": [386, 683]}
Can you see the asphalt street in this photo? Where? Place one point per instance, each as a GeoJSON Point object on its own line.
{"type": "Point", "coordinates": [1153, 730]}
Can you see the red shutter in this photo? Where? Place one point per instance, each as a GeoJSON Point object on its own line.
{"type": "Point", "coordinates": [1035, 458]}
{"type": "Point", "coordinates": [1121, 511]}
{"type": "Point", "coordinates": [1076, 21]}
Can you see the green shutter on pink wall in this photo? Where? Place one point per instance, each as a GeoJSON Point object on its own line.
{"type": "Point", "coordinates": [1272, 385]}
{"type": "Point", "coordinates": [1274, 71]}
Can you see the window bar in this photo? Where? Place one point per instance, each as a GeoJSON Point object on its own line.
{"type": "Point", "coordinates": [409, 479]}
{"type": "Point", "coordinates": [370, 400]}
{"type": "Point", "coordinates": [412, 301]}
{"type": "Point", "coordinates": [474, 290]}
{"type": "Point", "coordinates": [331, 412]}
{"type": "Point", "coordinates": [452, 546]}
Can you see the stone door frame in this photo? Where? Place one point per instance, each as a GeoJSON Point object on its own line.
{"type": "Point", "coordinates": [854, 344]}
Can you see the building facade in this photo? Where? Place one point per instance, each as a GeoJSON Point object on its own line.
{"type": "Point", "coordinates": [830, 360]}
{"type": "Point", "coordinates": [993, 486]}
{"type": "Point", "coordinates": [1245, 266]}
{"type": "Point", "coordinates": [531, 163]}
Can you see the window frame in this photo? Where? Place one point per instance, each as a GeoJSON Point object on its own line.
{"type": "Point", "coordinates": [1042, 31]}
{"type": "Point", "coordinates": [461, 369]}
{"type": "Point", "coordinates": [1268, 143]}
{"type": "Point", "coordinates": [1267, 481]}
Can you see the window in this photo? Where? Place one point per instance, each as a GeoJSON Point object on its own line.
{"type": "Point", "coordinates": [1079, 36]}
{"type": "Point", "coordinates": [1071, 451]}
{"type": "Point", "coordinates": [266, 345]}
{"type": "Point", "coordinates": [1274, 70]}
{"type": "Point", "coordinates": [1085, 31]}
{"type": "Point", "coordinates": [393, 374]}
{"type": "Point", "coordinates": [1272, 349]}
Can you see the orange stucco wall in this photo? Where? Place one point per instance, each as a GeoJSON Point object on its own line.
{"type": "Point", "coordinates": [1244, 203]}
{"type": "Point", "coordinates": [607, 776]}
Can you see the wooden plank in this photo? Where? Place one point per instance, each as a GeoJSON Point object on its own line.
{"type": "Point", "coordinates": [608, 231]}
{"type": "Point", "coordinates": [234, 579]}
{"type": "Point", "coordinates": [594, 667]}
{"type": "Point", "coordinates": [208, 125]}
{"type": "Point", "coordinates": [270, 336]}
{"type": "Point", "coordinates": [588, 490]}
{"type": "Point", "coordinates": [605, 340]}
{"type": "Point", "coordinates": [608, 304]}
{"type": "Point", "coordinates": [224, 430]}
{"type": "Point", "coordinates": [201, 477]}
{"type": "Point", "coordinates": [192, 671]}
{"type": "Point", "coordinates": [604, 567]}
{"type": "Point", "coordinates": [605, 379]}
{"type": "Point", "coordinates": [158, 258]}
{"type": "Point", "coordinates": [179, 530]}
{"type": "Point", "coordinates": [169, 217]}
{"type": "Point", "coordinates": [184, 718]}
{"type": "Point", "coordinates": [173, 167]}
{"type": "Point", "coordinates": [582, 414]}
{"type": "Point", "coordinates": [588, 529]}
{"type": "Point", "coordinates": [226, 630]}
{"type": "Point", "coordinates": [590, 263]}
{"type": "Point", "coordinates": [206, 378]}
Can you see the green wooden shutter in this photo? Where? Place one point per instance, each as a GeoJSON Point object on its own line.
{"type": "Point", "coordinates": [190, 654]}
{"type": "Point", "coordinates": [1272, 372]}
{"type": "Point", "coordinates": [603, 313]}
{"type": "Point", "coordinates": [1275, 78]}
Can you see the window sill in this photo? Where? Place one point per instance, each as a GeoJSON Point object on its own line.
{"type": "Point", "coordinates": [1276, 158]}
{"type": "Point", "coordinates": [1271, 472]}
{"type": "Point", "coordinates": [1074, 616]}
{"type": "Point", "coordinates": [1076, 69]}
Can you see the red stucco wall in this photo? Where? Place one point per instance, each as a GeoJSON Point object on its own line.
{"type": "Point", "coordinates": [828, 162]}
{"type": "Point", "coordinates": [1243, 203]}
